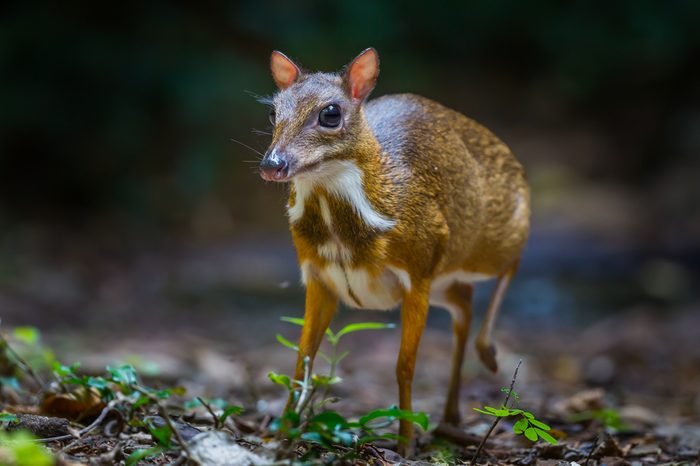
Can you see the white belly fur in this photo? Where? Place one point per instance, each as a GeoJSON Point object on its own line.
{"type": "Point", "coordinates": [442, 282]}
{"type": "Point", "coordinates": [386, 291]}
{"type": "Point", "coordinates": [356, 287]}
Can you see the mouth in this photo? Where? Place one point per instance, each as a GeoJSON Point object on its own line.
{"type": "Point", "coordinates": [286, 174]}
{"type": "Point", "coordinates": [306, 169]}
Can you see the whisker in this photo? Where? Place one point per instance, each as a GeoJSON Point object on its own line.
{"type": "Point", "coordinates": [263, 99]}
{"type": "Point", "coordinates": [248, 147]}
{"type": "Point", "coordinates": [260, 132]}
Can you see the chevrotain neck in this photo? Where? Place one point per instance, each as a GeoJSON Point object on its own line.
{"type": "Point", "coordinates": [351, 194]}
{"type": "Point", "coordinates": [367, 156]}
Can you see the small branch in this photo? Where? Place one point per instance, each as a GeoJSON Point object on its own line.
{"type": "Point", "coordinates": [171, 425]}
{"type": "Point", "coordinates": [306, 385]}
{"type": "Point", "coordinates": [217, 424]}
{"type": "Point", "coordinates": [81, 432]}
{"type": "Point", "coordinates": [21, 362]}
{"type": "Point", "coordinates": [164, 414]}
{"type": "Point", "coordinates": [590, 453]}
{"type": "Point", "coordinates": [498, 419]}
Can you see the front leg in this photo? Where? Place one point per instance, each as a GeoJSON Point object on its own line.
{"type": "Point", "coordinates": [414, 313]}
{"type": "Point", "coordinates": [320, 307]}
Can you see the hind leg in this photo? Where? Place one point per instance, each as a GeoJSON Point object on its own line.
{"type": "Point", "coordinates": [459, 299]}
{"type": "Point", "coordinates": [484, 343]}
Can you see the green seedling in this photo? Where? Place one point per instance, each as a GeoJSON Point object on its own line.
{"type": "Point", "coordinates": [526, 425]}
{"type": "Point", "coordinates": [610, 418]}
{"type": "Point", "coordinates": [328, 429]}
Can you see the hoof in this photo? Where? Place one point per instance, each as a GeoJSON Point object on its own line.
{"type": "Point", "coordinates": [405, 451]}
{"type": "Point", "coordinates": [487, 354]}
{"type": "Point", "coordinates": [456, 435]}
{"type": "Point", "coordinates": [451, 419]}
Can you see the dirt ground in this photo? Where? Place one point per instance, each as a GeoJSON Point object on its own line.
{"type": "Point", "coordinates": [613, 371]}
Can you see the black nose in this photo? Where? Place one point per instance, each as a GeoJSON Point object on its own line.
{"type": "Point", "coordinates": [274, 167]}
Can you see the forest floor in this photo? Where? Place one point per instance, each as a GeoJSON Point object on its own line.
{"type": "Point", "coordinates": [620, 391]}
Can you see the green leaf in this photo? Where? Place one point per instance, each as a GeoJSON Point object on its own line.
{"type": "Point", "coordinates": [8, 417]}
{"type": "Point", "coordinates": [545, 436]}
{"type": "Point", "coordinates": [374, 438]}
{"type": "Point", "coordinates": [287, 425]}
{"type": "Point", "coordinates": [97, 382]}
{"type": "Point", "coordinates": [329, 419]}
{"type": "Point", "coordinates": [491, 411]}
{"type": "Point", "coordinates": [342, 356]}
{"type": "Point", "coordinates": [124, 374]}
{"type": "Point", "coordinates": [230, 410]}
{"type": "Point", "coordinates": [363, 326]}
{"type": "Point", "coordinates": [280, 379]}
{"type": "Point", "coordinates": [314, 437]}
{"type": "Point", "coordinates": [11, 382]}
{"type": "Point", "coordinates": [528, 415]}
{"type": "Point", "coordinates": [166, 393]}
{"type": "Point", "coordinates": [28, 335]}
{"type": "Point", "coordinates": [540, 424]}
{"type": "Point", "coordinates": [513, 393]}
{"type": "Point", "coordinates": [325, 379]}
{"type": "Point", "coordinates": [142, 400]}
{"type": "Point", "coordinates": [344, 438]}
{"type": "Point", "coordinates": [286, 342]}
{"type": "Point", "coordinates": [531, 434]}
{"type": "Point", "coordinates": [64, 371]}
{"type": "Point", "coordinates": [23, 450]}
{"type": "Point", "coordinates": [332, 337]}
{"type": "Point", "coordinates": [293, 320]}
{"type": "Point", "coordinates": [418, 418]}
{"type": "Point", "coordinates": [520, 426]}
{"type": "Point", "coordinates": [162, 435]}
{"type": "Point", "coordinates": [325, 357]}
{"type": "Point", "coordinates": [139, 455]}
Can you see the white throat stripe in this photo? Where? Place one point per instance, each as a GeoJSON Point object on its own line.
{"type": "Point", "coordinates": [343, 179]}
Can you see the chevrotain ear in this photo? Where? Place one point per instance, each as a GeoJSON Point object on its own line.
{"type": "Point", "coordinates": [361, 74]}
{"type": "Point", "coordinates": [284, 71]}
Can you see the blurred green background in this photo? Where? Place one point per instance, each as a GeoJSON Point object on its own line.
{"type": "Point", "coordinates": [122, 192]}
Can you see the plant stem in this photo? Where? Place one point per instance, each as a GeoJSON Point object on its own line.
{"type": "Point", "coordinates": [498, 419]}
{"type": "Point", "coordinates": [331, 371]}
{"type": "Point", "coordinates": [590, 453]}
{"type": "Point", "coordinates": [306, 384]}
{"type": "Point", "coordinates": [217, 424]}
{"type": "Point", "coordinates": [164, 414]}
{"type": "Point", "coordinates": [21, 362]}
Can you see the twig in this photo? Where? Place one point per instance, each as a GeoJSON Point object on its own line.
{"type": "Point", "coordinates": [20, 360]}
{"type": "Point", "coordinates": [303, 397]}
{"type": "Point", "coordinates": [171, 425]}
{"type": "Point", "coordinates": [498, 419]}
{"type": "Point", "coordinates": [217, 424]}
{"type": "Point", "coordinates": [82, 431]}
{"type": "Point", "coordinates": [590, 453]}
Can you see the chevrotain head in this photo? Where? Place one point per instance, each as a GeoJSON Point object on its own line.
{"type": "Point", "coordinates": [316, 116]}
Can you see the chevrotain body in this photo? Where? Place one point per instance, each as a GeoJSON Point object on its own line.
{"type": "Point", "coordinates": [394, 201]}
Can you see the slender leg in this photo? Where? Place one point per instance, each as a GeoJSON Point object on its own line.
{"type": "Point", "coordinates": [320, 307]}
{"type": "Point", "coordinates": [459, 296]}
{"type": "Point", "coordinates": [484, 345]}
{"type": "Point", "coordinates": [414, 313]}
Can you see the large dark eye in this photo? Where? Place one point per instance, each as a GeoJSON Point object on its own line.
{"type": "Point", "coordinates": [329, 117]}
{"type": "Point", "coordinates": [272, 116]}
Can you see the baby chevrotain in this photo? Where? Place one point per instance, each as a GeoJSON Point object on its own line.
{"type": "Point", "coordinates": [397, 200]}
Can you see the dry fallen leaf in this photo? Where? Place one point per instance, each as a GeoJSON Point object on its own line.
{"type": "Point", "coordinates": [81, 404]}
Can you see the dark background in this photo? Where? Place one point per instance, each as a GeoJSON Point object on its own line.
{"type": "Point", "coordinates": [125, 206]}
